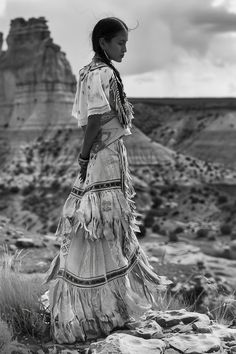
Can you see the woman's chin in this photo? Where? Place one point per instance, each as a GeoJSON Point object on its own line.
{"type": "Point", "coordinates": [118, 60]}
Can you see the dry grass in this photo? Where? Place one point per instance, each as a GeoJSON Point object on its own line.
{"type": "Point", "coordinates": [6, 336]}
{"type": "Point", "coordinates": [167, 301]}
{"type": "Point", "coordinates": [223, 309]}
{"type": "Point", "coordinates": [20, 305]}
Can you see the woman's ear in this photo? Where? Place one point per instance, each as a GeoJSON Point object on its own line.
{"type": "Point", "coordinates": [102, 43]}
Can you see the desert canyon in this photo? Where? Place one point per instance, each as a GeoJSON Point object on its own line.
{"type": "Point", "coordinates": [182, 157]}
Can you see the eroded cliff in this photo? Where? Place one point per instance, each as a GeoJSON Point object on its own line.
{"type": "Point", "coordinates": [36, 81]}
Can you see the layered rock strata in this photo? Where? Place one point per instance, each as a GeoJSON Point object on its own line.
{"type": "Point", "coordinates": [36, 81]}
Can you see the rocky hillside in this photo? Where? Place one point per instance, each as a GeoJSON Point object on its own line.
{"type": "Point", "coordinates": [204, 128]}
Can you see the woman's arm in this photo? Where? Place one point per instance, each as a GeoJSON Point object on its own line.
{"type": "Point", "coordinates": [91, 130]}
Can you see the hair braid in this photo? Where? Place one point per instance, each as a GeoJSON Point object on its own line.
{"type": "Point", "coordinates": [120, 85]}
{"type": "Point", "coordinates": [107, 28]}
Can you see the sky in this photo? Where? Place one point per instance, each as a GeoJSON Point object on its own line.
{"type": "Point", "coordinates": [176, 48]}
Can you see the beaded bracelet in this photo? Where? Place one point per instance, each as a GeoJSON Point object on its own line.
{"type": "Point", "coordinates": [83, 161]}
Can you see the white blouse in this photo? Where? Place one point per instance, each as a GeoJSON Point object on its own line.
{"type": "Point", "coordinates": [92, 93]}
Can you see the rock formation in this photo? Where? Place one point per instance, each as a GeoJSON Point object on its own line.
{"type": "Point", "coordinates": [36, 81]}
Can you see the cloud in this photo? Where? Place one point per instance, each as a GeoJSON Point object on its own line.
{"type": "Point", "coordinates": [193, 78]}
{"type": "Point", "coordinates": [167, 51]}
{"type": "Point", "coordinates": [168, 28]}
{"type": "Point", "coordinates": [2, 7]}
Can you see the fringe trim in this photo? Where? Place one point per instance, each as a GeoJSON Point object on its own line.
{"type": "Point", "coordinates": [101, 214]}
{"type": "Point", "coordinates": [82, 314]}
{"type": "Point", "coordinates": [125, 111]}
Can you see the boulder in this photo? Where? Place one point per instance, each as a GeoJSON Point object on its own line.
{"type": "Point", "coordinates": [124, 343]}
{"type": "Point", "coordinates": [171, 318]}
{"type": "Point", "coordinates": [194, 344]}
{"type": "Point", "coordinates": [25, 242]}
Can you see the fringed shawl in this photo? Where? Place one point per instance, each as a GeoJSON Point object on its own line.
{"type": "Point", "coordinates": [96, 83]}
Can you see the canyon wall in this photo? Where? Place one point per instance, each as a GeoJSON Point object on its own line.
{"type": "Point", "coordinates": [36, 81]}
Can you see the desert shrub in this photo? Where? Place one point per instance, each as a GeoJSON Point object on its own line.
{"type": "Point", "coordinates": [202, 233]}
{"type": "Point", "coordinates": [157, 202]}
{"type": "Point", "coordinates": [228, 207]}
{"type": "Point", "coordinates": [173, 237]}
{"type": "Point", "coordinates": [179, 229]}
{"type": "Point", "coordinates": [222, 199]}
{"type": "Point", "coordinates": [153, 192]}
{"type": "Point", "coordinates": [175, 213]}
{"type": "Point", "coordinates": [148, 220]}
{"type": "Point", "coordinates": [193, 190]}
{"type": "Point", "coordinates": [156, 228]}
{"type": "Point", "coordinates": [233, 236]}
{"type": "Point", "coordinates": [27, 189]}
{"type": "Point", "coordinates": [55, 185]}
{"type": "Point", "coordinates": [225, 229]}
{"type": "Point", "coordinates": [20, 305]}
{"type": "Point", "coordinates": [194, 199]}
{"type": "Point", "coordinates": [162, 231]}
{"type": "Point", "coordinates": [52, 228]}
{"type": "Point", "coordinates": [14, 189]}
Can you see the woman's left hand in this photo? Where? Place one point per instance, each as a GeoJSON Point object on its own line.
{"type": "Point", "coordinates": [83, 172]}
{"type": "Point", "coordinates": [83, 167]}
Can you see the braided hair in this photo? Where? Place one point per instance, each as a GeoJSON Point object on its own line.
{"type": "Point", "coordinates": [107, 28]}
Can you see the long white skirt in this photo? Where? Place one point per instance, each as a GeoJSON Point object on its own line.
{"type": "Point", "coordinates": [101, 279]}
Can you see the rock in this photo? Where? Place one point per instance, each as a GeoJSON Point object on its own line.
{"type": "Point", "coordinates": [12, 248]}
{"type": "Point", "coordinates": [172, 318]}
{"type": "Point", "coordinates": [173, 237]}
{"type": "Point", "coordinates": [24, 242]}
{"type": "Point", "coordinates": [147, 329]}
{"type": "Point", "coordinates": [52, 239]}
{"type": "Point", "coordinates": [201, 327]}
{"type": "Point", "coordinates": [171, 351]}
{"type": "Point", "coordinates": [125, 343]}
{"type": "Point", "coordinates": [225, 334]}
{"type": "Point", "coordinates": [49, 238]}
{"type": "Point", "coordinates": [194, 344]}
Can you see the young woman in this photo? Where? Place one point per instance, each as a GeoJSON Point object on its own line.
{"type": "Point", "coordinates": [101, 278]}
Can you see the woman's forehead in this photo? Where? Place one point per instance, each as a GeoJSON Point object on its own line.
{"type": "Point", "coordinates": [122, 35]}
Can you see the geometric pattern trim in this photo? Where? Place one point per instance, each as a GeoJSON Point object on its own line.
{"type": "Point", "coordinates": [100, 280]}
{"type": "Point", "coordinates": [112, 184]}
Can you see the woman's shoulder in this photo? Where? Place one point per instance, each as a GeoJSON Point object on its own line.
{"type": "Point", "coordinates": [96, 69]}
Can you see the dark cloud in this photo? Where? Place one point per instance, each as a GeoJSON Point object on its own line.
{"type": "Point", "coordinates": [217, 20]}
{"type": "Point", "coordinates": [170, 29]}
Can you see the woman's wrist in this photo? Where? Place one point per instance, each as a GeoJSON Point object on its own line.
{"type": "Point", "coordinates": [82, 161]}
{"type": "Point", "coordinates": [82, 158]}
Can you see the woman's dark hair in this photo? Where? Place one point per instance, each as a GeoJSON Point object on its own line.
{"type": "Point", "coordinates": [108, 28]}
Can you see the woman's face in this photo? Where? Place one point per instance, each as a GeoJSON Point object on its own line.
{"type": "Point", "coordinates": [116, 47]}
